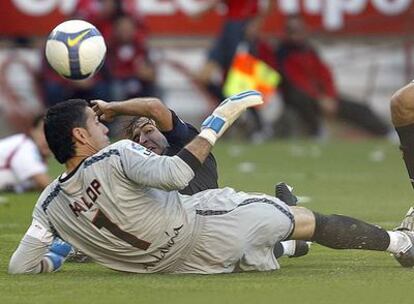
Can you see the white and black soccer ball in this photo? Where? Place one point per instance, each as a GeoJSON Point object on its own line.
{"type": "Point", "coordinates": [75, 49]}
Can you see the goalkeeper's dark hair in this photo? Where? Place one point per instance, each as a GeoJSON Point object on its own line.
{"type": "Point", "coordinates": [60, 120]}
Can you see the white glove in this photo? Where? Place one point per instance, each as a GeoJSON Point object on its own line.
{"type": "Point", "coordinates": [226, 113]}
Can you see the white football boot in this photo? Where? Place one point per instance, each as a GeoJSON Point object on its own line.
{"type": "Point", "coordinates": [406, 256]}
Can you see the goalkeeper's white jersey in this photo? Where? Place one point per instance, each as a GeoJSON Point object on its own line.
{"type": "Point", "coordinates": [118, 208]}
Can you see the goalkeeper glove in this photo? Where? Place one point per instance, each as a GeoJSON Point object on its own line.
{"type": "Point", "coordinates": [226, 113]}
{"type": "Point", "coordinates": [57, 254]}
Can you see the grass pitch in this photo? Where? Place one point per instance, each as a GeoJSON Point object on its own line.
{"type": "Point", "coordinates": [365, 179]}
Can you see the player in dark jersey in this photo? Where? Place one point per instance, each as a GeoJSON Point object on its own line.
{"type": "Point", "coordinates": [160, 130]}
{"type": "Point", "coordinates": [144, 131]}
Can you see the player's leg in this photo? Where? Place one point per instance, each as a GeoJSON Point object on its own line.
{"type": "Point", "coordinates": [290, 248]}
{"type": "Point", "coordinates": [238, 232]}
{"type": "Point", "coordinates": [402, 112]}
{"type": "Point", "coordinates": [265, 222]}
{"type": "Point", "coordinates": [343, 232]}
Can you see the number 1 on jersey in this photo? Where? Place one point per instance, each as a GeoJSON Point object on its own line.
{"type": "Point", "coordinates": [102, 221]}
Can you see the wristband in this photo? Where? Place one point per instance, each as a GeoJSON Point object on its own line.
{"type": "Point", "coordinates": [209, 135]}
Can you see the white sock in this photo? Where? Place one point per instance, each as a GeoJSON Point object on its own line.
{"type": "Point", "coordinates": [289, 247]}
{"type": "Point", "coordinates": [399, 242]}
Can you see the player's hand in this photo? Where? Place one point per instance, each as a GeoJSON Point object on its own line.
{"type": "Point", "coordinates": [103, 110]}
{"type": "Point", "coordinates": [58, 252]}
{"type": "Point", "coordinates": [227, 112]}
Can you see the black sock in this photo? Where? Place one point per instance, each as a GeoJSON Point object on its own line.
{"type": "Point", "coordinates": [406, 135]}
{"type": "Point", "coordinates": [342, 232]}
{"type": "Point", "coordinates": [278, 250]}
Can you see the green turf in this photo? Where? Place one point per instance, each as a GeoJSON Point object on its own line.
{"type": "Point", "coordinates": [365, 179]}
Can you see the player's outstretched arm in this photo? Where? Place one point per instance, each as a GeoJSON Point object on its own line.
{"type": "Point", "coordinates": [150, 107]}
{"type": "Point", "coordinates": [227, 112]}
{"type": "Point", "coordinates": [174, 173]}
{"type": "Point", "coordinates": [35, 254]}
{"type": "Point", "coordinates": [217, 123]}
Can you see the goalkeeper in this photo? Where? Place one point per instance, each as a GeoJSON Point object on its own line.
{"type": "Point", "coordinates": [160, 130]}
{"type": "Point", "coordinates": [120, 205]}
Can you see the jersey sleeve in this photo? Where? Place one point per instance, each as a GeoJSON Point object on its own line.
{"type": "Point", "coordinates": [149, 169]}
{"type": "Point", "coordinates": [29, 255]}
{"type": "Point", "coordinates": [27, 162]}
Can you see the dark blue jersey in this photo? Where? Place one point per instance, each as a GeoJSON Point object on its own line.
{"type": "Point", "coordinates": [181, 134]}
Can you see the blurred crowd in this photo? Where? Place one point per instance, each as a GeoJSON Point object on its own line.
{"type": "Point", "coordinates": [308, 91]}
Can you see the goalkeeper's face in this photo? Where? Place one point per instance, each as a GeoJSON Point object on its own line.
{"type": "Point", "coordinates": [97, 134]}
{"type": "Point", "coordinates": [151, 138]}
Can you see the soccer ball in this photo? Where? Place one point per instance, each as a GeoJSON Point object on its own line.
{"type": "Point", "coordinates": [75, 49]}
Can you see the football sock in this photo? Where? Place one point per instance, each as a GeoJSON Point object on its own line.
{"type": "Point", "coordinates": [399, 242]}
{"type": "Point", "coordinates": [406, 135]}
{"type": "Point", "coordinates": [278, 250]}
{"type": "Point", "coordinates": [288, 247]}
{"type": "Point", "coordinates": [342, 232]}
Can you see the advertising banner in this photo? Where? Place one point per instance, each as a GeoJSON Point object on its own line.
{"type": "Point", "coordinates": [173, 17]}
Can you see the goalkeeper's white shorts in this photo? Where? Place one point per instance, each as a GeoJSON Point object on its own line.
{"type": "Point", "coordinates": [238, 232]}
